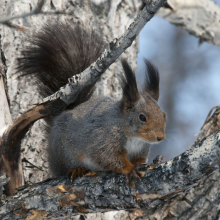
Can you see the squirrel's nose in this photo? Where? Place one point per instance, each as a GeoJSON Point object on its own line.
{"type": "Point", "coordinates": [160, 138]}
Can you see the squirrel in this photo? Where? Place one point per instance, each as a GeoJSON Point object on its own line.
{"type": "Point", "coordinates": [93, 133]}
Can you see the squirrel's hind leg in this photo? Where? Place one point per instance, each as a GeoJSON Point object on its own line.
{"type": "Point", "coordinates": [77, 172]}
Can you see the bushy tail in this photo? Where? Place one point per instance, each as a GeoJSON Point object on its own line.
{"type": "Point", "coordinates": [57, 52]}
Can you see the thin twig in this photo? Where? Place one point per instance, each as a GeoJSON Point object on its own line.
{"type": "Point", "coordinates": [27, 161]}
{"type": "Point", "coordinates": [15, 26]}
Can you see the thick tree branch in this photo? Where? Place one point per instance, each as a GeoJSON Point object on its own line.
{"type": "Point", "coordinates": [200, 18]}
{"type": "Point", "coordinates": [211, 124]}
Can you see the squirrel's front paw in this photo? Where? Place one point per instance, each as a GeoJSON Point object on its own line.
{"type": "Point", "coordinates": [133, 176]}
{"type": "Point", "coordinates": [77, 172]}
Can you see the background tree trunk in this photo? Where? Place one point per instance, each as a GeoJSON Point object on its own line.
{"type": "Point", "coordinates": [108, 18]}
{"type": "Point", "coordinates": [200, 18]}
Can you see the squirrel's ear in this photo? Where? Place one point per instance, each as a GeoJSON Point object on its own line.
{"type": "Point", "coordinates": [152, 79]}
{"type": "Point", "coordinates": [129, 86]}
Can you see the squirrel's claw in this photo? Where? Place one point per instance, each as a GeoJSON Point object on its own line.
{"type": "Point", "coordinates": [133, 176]}
{"type": "Point", "coordinates": [78, 172]}
{"type": "Point", "coordinates": [140, 165]}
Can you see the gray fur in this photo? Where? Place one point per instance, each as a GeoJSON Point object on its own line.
{"type": "Point", "coordinates": [94, 129]}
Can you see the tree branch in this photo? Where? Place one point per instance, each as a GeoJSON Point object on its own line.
{"type": "Point", "coordinates": [199, 18]}
{"type": "Point", "coordinates": [210, 125]}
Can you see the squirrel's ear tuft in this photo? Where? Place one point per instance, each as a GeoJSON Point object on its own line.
{"type": "Point", "coordinates": [152, 79]}
{"type": "Point", "coordinates": [129, 86]}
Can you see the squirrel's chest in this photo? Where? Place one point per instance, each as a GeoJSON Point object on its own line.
{"type": "Point", "coordinates": [134, 146]}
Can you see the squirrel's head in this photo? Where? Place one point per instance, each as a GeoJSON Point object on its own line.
{"type": "Point", "coordinates": [143, 116]}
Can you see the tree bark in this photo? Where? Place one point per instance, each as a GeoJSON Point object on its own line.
{"type": "Point", "coordinates": [198, 17]}
{"type": "Point", "coordinates": [5, 115]}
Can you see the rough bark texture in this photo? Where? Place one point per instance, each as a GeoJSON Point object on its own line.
{"type": "Point", "coordinates": [198, 17]}
{"type": "Point", "coordinates": [5, 115]}
{"type": "Point", "coordinates": [186, 187]}
{"type": "Point", "coordinates": [3, 181]}
{"type": "Point", "coordinates": [109, 18]}
{"type": "Point", "coordinates": [212, 123]}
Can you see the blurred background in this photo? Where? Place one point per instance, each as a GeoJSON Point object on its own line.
{"type": "Point", "coordinates": [189, 81]}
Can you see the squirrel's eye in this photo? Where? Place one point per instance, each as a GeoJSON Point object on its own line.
{"type": "Point", "coordinates": [142, 117]}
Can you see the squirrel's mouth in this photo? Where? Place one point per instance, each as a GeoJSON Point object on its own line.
{"type": "Point", "coordinates": [144, 137]}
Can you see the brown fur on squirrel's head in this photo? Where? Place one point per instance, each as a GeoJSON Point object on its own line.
{"type": "Point", "coordinates": [143, 117]}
